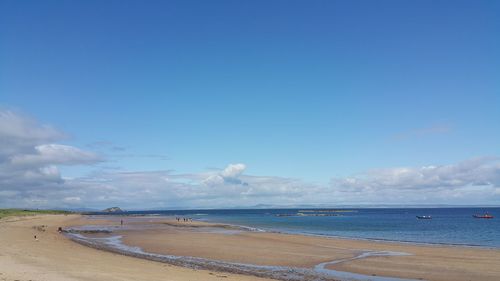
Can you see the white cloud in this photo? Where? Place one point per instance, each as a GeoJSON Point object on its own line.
{"type": "Point", "coordinates": [30, 177]}
{"type": "Point", "coordinates": [214, 180]}
{"type": "Point", "coordinates": [451, 184]}
{"type": "Point", "coordinates": [469, 182]}
{"type": "Point", "coordinates": [165, 189]}
{"type": "Point", "coordinates": [233, 170]}
{"type": "Point", "coordinates": [19, 132]}
{"type": "Point", "coordinates": [55, 154]}
{"type": "Point", "coordinates": [29, 159]}
{"type": "Point", "coordinates": [479, 172]}
{"type": "Point", "coordinates": [230, 175]}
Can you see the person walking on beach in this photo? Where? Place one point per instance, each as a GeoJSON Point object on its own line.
{"type": "Point", "coordinates": [121, 222]}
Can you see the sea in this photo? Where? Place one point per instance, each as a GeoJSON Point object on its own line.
{"type": "Point", "coordinates": [448, 226]}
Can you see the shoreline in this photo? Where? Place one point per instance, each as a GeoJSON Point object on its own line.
{"type": "Point", "coordinates": [455, 227]}
{"type": "Point", "coordinates": [346, 258]}
{"type": "Point", "coordinates": [380, 240]}
{"type": "Point", "coordinates": [327, 236]}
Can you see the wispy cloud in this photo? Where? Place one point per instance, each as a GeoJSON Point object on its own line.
{"type": "Point", "coordinates": [436, 129]}
{"type": "Point", "coordinates": [47, 154]}
{"type": "Point", "coordinates": [112, 150]}
{"type": "Point", "coordinates": [105, 145]}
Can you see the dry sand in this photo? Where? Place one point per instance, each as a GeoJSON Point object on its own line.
{"type": "Point", "coordinates": [55, 258]}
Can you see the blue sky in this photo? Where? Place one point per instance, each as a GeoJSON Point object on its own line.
{"type": "Point", "coordinates": [314, 91]}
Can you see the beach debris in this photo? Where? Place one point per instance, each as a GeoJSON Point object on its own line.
{"type": "Point", "coordinates": [87, 231]}
{"type": "Point", "coordinates": [40, 228]}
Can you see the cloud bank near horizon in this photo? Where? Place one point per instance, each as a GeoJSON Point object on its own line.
{"type": "Point", "coordinates": [31, 154]}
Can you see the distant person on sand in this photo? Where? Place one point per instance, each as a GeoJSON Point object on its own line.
{"type": "Point", "coordinates": [121, 222]}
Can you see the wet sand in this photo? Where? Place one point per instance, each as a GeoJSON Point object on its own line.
{"type": "Point", "coordinates": [429, 262]}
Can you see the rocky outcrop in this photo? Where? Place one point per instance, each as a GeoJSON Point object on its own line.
{"type": "Point", "coordinates": [113, 210]}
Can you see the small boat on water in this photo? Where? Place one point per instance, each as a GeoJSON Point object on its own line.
{"type": "Point", "coordinates": [424, 217]}
{"type": "Point", "coordinates": [485, 216]}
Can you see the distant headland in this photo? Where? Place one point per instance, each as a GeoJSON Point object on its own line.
{"type": "Point", "coordinates": [113, 210]}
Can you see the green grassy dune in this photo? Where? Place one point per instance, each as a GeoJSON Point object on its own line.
{"type": "Point", "coordinates": [27, 212]}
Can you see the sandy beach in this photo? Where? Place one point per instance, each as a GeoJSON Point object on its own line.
{"type": "Point", "coordinates": [55, 257]}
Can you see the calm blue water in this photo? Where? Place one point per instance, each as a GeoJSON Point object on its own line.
{"type": "Point", "coordinates": [448, 226]}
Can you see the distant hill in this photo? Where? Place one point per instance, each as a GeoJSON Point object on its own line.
{"type": "Point", "coordinates": [113, 210]}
